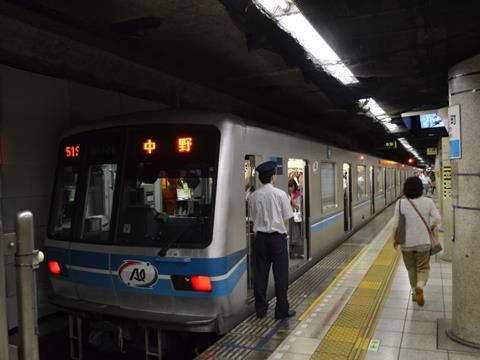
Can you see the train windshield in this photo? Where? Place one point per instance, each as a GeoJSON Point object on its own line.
{"type": "Point", "coordinates": [168, 191]}
{"type": "Point", "coordinates": [64, 201]}
{"type": "Point", "coordinates": [141, 185]}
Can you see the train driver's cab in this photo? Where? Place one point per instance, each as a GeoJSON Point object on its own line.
{"type": "Point", "coordinates": [140, 185]}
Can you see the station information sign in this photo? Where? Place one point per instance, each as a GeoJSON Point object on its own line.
{"type": "Point", "coordinates": [454, 132]}
{"type": "Point", "coordinates": [391, 144]}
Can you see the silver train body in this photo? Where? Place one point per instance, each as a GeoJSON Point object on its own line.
{"type": "Point", "coordinates": [89, 277]}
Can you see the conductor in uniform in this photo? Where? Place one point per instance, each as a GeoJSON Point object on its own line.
{"type": "Point", "coordinates": [270, 210]}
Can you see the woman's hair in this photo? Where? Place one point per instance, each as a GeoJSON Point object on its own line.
{"type": "Point", "coordinates": [413, 187]}
{"type": "Point", "coordinates": [293, 183]}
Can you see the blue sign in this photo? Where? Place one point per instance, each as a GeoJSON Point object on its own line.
{"type": "Point", "coordinates": [454, 132]}
{"type": "Point", "coordinates": [279, 162]}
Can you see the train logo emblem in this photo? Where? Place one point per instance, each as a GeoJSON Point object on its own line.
{"type": "Point", "coordinates": [139, 274]}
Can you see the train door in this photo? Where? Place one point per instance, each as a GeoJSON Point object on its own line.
{"type": "Point", "coordinates": [372, 190]}
{"type": "Point", "coordinates": [347, 197]}
{"type": "Point", "coordinates": [298, 193]}
{"type": "Point", "coordinates": [250, 185]}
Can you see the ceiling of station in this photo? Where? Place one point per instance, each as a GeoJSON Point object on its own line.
{"type": "Point", "coordinates": [399, 50]}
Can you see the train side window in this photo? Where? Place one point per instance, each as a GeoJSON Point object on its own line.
{"type": "Point", "coordinates": [328, 185]}
{"type": "Point", "coordinates": [64, 201]}
{"type": "Point", "coordinates": [99, 200]}
{"type": "Point", "coordinates": [361, 181]}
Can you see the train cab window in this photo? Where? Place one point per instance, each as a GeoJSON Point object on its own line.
{"type": "Point", "coordinates": [175, 204]}
{"type": "Point", "coordinates": [64, 201]}
{"type": "Point", "coordinates": [328, 186]}
{"type": "Point", "coordinates": [167, 195]}
{"type": "Point", "coordinates": [361, 182]}
{"type": "Point", "coordinates": [99, 201]}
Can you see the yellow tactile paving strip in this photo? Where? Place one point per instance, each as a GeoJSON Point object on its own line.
{"type": "Point", "coordinates": [350, 334]}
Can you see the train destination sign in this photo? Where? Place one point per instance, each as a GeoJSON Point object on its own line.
{"type": "Point", "coordinates": [149, 146]}
{"type": "Point", "coordinates": [184, 144]}
{"type": "Point", "coordinates": [72, 151]}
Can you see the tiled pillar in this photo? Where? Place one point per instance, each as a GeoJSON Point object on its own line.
{"type": "Point", "coordinates": [464, 90]}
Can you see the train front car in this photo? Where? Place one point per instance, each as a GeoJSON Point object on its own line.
{"type": "Point", "coordinates": [132, 232]}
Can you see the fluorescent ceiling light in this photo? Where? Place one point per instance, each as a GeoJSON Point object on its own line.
{"type": "Point", "coordinates": [410, 149]}
{"type": "Point", "coordinates": [275, 7]}
{"type": "Point", "coordinates": [289, 17]}
{"type": "Point", "coordinates": [373, 109]}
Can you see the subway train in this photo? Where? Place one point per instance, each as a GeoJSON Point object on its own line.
{"type": "Point", "coordinates": [149, 225]}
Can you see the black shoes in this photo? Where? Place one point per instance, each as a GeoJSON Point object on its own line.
{"type": "Point", "coordinates": [290, 314]}
{"type": "Point", "coordinates": [261, 316]}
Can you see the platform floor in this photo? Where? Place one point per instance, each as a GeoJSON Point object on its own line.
{"type": "Point", "coordinates": [367, 312]}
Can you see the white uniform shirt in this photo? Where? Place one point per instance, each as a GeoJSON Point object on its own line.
{"type": "Point", "coordinates": [416, 232]}
{"type": "Point", "coordinates": [425, 179]}
{"type": "Point", "coordinates": [269, 207]}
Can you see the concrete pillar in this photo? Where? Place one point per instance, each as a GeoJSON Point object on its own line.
{"type": "Point", "coordinates": [445, 202]}
{"type": "Point", "coordinates": [464, 89]}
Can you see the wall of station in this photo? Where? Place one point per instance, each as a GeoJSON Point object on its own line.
{"type": "Point", "coordinates": [34, 111]}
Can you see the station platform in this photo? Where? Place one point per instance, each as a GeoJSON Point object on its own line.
{"type": "Point", "coordinates": [361, 310]}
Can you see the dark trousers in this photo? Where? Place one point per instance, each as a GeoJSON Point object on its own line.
{"type": "Point", "coordinates": [271, 249]}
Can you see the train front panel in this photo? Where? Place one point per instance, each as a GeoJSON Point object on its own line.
{"type": "Point", "coordinates": [131, 231]}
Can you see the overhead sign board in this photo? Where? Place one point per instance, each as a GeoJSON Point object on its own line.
{"type": "Point", "coordinates": [432, 151]}
{"type": "Point", "coordinates": [454, 133]}
{"type": "Point", "coordinates": [391, 144]}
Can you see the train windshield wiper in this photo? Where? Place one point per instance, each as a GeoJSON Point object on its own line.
{"type": "Point", "coordinates": [164, 249]}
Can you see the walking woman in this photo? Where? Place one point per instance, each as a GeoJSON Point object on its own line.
{"type": "Point", "coordinates": [421, 221]}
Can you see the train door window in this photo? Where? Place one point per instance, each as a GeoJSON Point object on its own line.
{"type": "Point", "coordinates": [99, 201]}
{"type": "Point", "coordinates": [250, 186]}
{"type": "Point", "coordinates": [63, 203]}
{"type": "Point", "coordinates": [361, 182]}
{"type": "Point", "coordinates": [385, 180]}
{"type": "Point", "coordinates": [379, 183]}
{"type": "Point", "coordinates": [328, 186]}
{"type": "Point", "coordinates": [372, 189]}
{"type": "Point", "coordinates": [397, 182]}
{"type": "Point", "coordinates": [298, 193]}
{"type": "Point", "coordinates": [347, 196]}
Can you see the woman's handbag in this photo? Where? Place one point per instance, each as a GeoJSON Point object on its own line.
{"type": "Point", "coordinates": [436, 246]}
{"type": "Point", "coordinates": [297, 216]}
{"type": "Point", "coordinates": [400, 233]}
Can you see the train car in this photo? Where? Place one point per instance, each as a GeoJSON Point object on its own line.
{"type": "Point", "coordinates": [149, 225]}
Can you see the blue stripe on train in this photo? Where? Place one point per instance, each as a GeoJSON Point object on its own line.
{"type": "Point", "coordinates": [89, 259]}
{"type": "Point", "coordinates": [162, 287]}
{"type": "Point", "coordinates": [319, 225]}
{"type": "Point", "coordinates": [193, 266]}
{"type": "Point", "coordinates": [165, 266]}
{"type": "Point", "coordinates": [89, 278]}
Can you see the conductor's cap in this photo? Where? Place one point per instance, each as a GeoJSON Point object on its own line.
{"type": "Point", "coordinates": [266, 167]}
